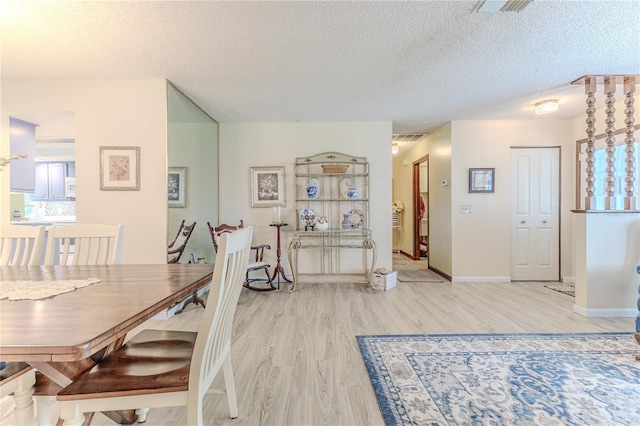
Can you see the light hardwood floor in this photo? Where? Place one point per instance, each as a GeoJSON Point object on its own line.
{"type": "Point", "coordinates": [296, 360]}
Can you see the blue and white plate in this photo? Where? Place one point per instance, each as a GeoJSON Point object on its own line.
{"type": "Point", "coordinates": [307, 217]}
{"type": "Point", "coordinates": [356, 217]}
{"type": "Point", "coordinates": [313, 189]}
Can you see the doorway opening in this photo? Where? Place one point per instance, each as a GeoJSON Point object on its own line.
{"type": "Point", "coordinates": [421, 209]}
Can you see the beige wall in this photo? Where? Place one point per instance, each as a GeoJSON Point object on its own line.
{"type": "Point", "coordinates": [244, 145]}
{"type": "Point", "coordinates": [108, 113]}
{"type": "Point", "coordinates": [438, 147]}
{"type": "Point", "coordinates": [475, 247]}
{"type": "Point", "coordinates": [481, 239]}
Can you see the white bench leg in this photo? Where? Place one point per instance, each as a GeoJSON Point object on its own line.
{"type": "Point", "coordinates": [142, 414]}
{"type": "Point", "coordinates": [43, 410]}
{"type": "Point", "coordinates": [71, 414]}
{"type": "Point", "coordinates": [23, 399]}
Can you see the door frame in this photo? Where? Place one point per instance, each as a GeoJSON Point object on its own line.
{"type": "Point", "coordinates": [416, 204]}
{"type": "Point", "coordinates": [559, 201]}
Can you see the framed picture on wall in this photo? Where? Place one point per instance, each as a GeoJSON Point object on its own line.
{"type": "Point", "coordinates": [120, 168]}
{"type": "Point", "coordinates": [267, 186]}
{"type": "Point", "coordinates": [482, 180]}
{"type": "Point", "coordinates": [177, 187]}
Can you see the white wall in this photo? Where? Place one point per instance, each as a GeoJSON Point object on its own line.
{"type": "Point", "coordinates": [606, 245]}
{"type": "Point", "coordinates": [481, 246]}
{"type": "Point", "coordinates": [108, 113]}
{"type": "Point", "coordinates": [245, 145]}
{"type": "Point", "coordinates": [607, 254]}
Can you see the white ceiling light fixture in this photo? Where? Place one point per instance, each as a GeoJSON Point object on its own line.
{"type": "Point", "coordinates": [546, 107]}
{"type": "Point", "coordinates": [394, 148]}
{"type": "Point", "coordinates": [496, 6]}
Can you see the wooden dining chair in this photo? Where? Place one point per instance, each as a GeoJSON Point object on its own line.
{"type": "Point", "coordinates": [257, 262]}
{"type": "Point", "coordinates": [176, 248]}
{"type": "Point", "coordinates": [83, 245]}
{"type": "Point", "coordinates": [21, 245]}
{"type": "Point", "coordinates": [160, 368]}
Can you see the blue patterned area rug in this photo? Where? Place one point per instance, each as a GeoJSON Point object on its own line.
{"type": "Point", "coordinates": [498, 379]}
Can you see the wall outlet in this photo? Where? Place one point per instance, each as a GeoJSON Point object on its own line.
{"type": "Point", "coordinates": [466, 208]}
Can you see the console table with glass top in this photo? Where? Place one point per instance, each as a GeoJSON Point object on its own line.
{"type": "Point", "coordinates": [328, 245]}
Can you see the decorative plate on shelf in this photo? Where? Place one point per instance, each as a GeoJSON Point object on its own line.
{"type": "Point", "coordinates": [356, 217]}
{"type": "Point", "coordinates": [307, 217]}
{"type": "Point", "coordinates": [313, 189]}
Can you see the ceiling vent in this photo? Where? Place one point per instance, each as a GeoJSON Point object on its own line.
{"type": "Point", "coordinates": [406, 138]}
{"type": "Point", "coordinates": [496, 6]}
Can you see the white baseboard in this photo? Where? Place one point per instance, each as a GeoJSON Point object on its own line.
{"type": "Point", "coordinates": [568, 280]}
{"type": "Point", "coordinates": [169, 312]}
{"type": "Point", "coordinates": [605, 313]}
{"type": "Point", "coordinates": [481, 279]}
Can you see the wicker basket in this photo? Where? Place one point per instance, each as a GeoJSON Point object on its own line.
{"type": "Point", "coordinates": [334, 168]}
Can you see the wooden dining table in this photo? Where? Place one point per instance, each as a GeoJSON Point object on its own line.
{"type": "Point", "coordinates": [64, 335]}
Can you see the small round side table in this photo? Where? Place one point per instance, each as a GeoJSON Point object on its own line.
{"type": "Point", "coordinates": [279, 270]}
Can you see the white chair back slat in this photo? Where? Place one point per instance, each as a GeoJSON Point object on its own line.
{"type": "Point", "coordinates": [213, 343]}
{"type": "Point", "coordinates": [21, 245]}
{"type": "Point", "coordinates": [84, 244]}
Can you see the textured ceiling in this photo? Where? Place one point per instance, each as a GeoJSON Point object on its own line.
{"type": "Point", "coordinates": [417, 64]}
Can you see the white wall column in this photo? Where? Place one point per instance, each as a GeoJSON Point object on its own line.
{"type": "Point", "coordinates": [606, 254]}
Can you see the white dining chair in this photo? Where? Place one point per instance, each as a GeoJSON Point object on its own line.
{"type": "Point", "coordinates": [76, 245]}
{"type": "Point", "coordinates": [160, 368]}
{"type": "Point", "coordinates": [83, 245]}
{"type": "Point", "coordinates": [21, 245]}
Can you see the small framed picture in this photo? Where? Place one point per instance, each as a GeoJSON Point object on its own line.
{"type": "Point", "coordinates": [119, 168]}
{"type": "Point", "coordinates": [177, 187]}
{"type": "Point", "coordinates": [267, 186]}
{"type": "Point", "coordinates": [482, 180]}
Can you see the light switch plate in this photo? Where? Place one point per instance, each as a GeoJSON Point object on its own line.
{"type": "Point", "coordinates": [465, 208]}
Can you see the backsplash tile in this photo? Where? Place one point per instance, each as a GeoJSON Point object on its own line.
{"type": "Point", "coordinates": [49, 208]}
{"type": "Point", "coordinates": [59, 208]}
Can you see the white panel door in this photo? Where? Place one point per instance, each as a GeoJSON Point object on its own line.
{"type": "Point", "coordinates": [535, 226]}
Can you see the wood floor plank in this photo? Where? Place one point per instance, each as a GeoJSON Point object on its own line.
{"type": "Point", "coordinates": [295, 356]}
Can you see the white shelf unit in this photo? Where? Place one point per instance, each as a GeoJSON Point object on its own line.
{"type": "Point", "coordinates": [333, 202]}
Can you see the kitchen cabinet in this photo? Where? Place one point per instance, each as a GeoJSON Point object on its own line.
{"type": "Point", "coordinates": [50, 181]}
{"type": "Point", "coordinates": [22, 140]}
